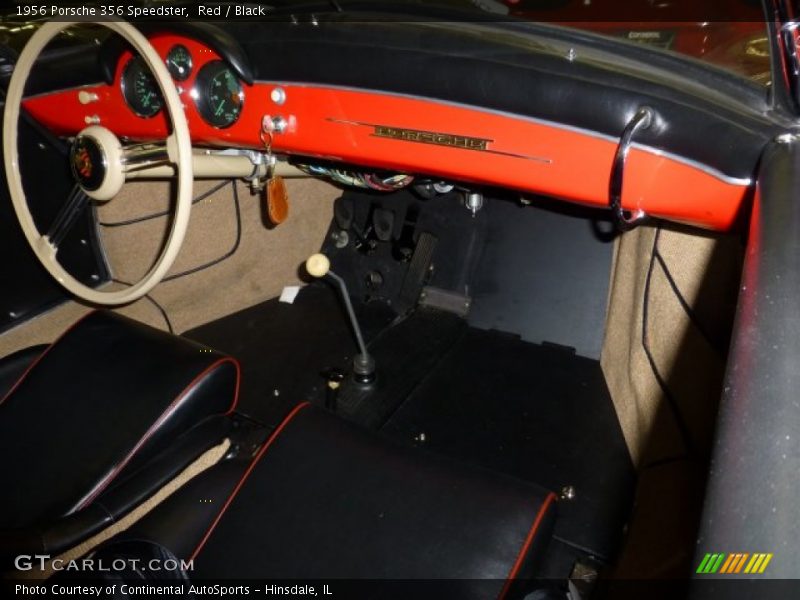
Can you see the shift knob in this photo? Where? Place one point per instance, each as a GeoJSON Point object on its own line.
{"type": "Point", "coordinates": [318, 265]}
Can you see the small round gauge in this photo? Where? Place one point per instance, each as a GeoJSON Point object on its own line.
{"type": "Point", "coordinates": [219, 95]}
{"type": "Point", "coordinates": [139, 88]}
{"type": "Point", "coordinates": [179, 62]}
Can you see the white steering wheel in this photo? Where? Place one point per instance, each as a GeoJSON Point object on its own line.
{"type": "Point", "coordinates": [99, 163]}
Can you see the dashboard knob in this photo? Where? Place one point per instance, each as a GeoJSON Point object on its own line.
{"type": "Point", "coordinates": [85, 97]}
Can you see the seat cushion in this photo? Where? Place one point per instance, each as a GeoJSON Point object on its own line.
{"type": "Point", "coordinates": [325, 499]}
{"type": "Point", "coordinates": [97, 404]}
{"type": "Point", "coordinates": [14, 365]}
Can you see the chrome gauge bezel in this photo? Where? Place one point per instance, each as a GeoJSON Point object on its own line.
{"type": "Point", "coordinates": [201, 93]}
{"type": "Point", "coordinates": [171, 65]}
{"type": "Point", "coordinates": [129, 91]}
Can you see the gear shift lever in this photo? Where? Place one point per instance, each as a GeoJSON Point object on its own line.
{"type": "Point", "coordinates": [319, 266]}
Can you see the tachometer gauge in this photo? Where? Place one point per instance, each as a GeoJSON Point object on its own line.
{"type": "Point", "coordinates": [179, 62]}
{"type": "Point", "coordinates": [140, 89]}
{"type": "Point", "coordinates": [219, 95]}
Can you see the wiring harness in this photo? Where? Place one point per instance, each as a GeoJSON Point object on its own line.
{"type": "Point", "coordinates": [381, 182]}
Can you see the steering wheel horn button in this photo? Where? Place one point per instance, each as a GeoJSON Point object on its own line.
{"type": "Point", "coordinates": [96, 160]}
{"type": "Point", "coordinates": [89, 163]}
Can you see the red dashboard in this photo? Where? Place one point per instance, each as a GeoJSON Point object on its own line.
{"type": "Point", "coordinates": [414, 135]}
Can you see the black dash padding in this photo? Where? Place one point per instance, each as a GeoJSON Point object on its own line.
{"type": "Point", "coordinates": [328, 499]}
{"type": "Point", "coordinates": [109, 394]}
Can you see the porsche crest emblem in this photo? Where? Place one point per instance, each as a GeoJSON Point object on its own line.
{"type": "Point", "coordinates": [88, 162]}
{"type": "Point", "coordinates": [83, 162]}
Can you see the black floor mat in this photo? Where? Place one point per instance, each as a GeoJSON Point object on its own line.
{"type": "Point", "coordinates": [284, 348]}
{"type": "Point", "coordinates": [404, 355]}
{"type": "Point", "coordinates": [540, 413]}
{"type": "Point", "coordinates": [537, 412]}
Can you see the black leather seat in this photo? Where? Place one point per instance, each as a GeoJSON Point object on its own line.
{"type": "Point", "coordinates": [325, 500]}
{"type": "Point", "coordinates": [13, 366]}
{"type": "Point", "coordinates": [81, 417]}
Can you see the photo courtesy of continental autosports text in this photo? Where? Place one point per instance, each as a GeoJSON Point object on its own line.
{"type": "Point", "coordinates": [124, 590]}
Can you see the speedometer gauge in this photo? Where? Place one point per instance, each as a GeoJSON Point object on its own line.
{"type": "Point", "coordinates": [140, 90]}
{"type": "Point", "coordinates": [219, 95]}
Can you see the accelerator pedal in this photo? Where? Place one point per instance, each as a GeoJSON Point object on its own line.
{"type": "Point", "coordinates": [419, 270]}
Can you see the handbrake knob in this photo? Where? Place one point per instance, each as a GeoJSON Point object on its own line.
{"type": "Point", "coordinates": [318, 265]}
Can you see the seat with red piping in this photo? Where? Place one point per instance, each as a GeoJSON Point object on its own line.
{"type": "Point", "coordinates": [80, 418]}
{"type": "Point", "coordinates": [326, 500]}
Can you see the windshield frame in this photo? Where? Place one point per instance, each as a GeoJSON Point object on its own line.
{"type": "Point", "coordinates": [782, 28]}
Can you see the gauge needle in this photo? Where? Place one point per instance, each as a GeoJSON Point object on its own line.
{"type": "Point", "coordinates": [146, 99]}
{"type": "Point", "coordinates": [219, 108]}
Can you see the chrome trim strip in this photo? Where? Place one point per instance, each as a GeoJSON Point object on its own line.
{"type": "Point", "coordinates": [487, 150]}
{"type": "Point", "coordinates": [729, 179]}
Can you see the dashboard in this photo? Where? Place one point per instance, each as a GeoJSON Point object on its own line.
{"type": "Point", "coordinates": [322, 122]}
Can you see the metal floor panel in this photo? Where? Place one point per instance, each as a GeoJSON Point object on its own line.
{"type": "Point", "coordinates": [544, 275]}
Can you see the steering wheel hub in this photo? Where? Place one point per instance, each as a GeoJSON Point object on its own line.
{"type": "Point", "coordinates": [96, 163]}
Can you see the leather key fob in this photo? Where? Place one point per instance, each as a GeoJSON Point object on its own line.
{"type": "Point", "coordinates": [277, 200]}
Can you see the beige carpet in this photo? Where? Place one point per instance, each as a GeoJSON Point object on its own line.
{"type": "Point", "coordinates": [705, 270]}
{"type": "Point", "coordinates": [267, 259]}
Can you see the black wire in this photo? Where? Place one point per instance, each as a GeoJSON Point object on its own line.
{"type": "Point", "coordinates": [683, 429]}
{"type": "Point", "coordinates": [164, 213]}
{"type": "Point", "coordinates": [682, 300]}
{"type": "Point", "coordinates": [152, 300]}
{"type": "Point", "coordinates": [230, 252]}
{"type": "Point", "coordinates": [162, 311]}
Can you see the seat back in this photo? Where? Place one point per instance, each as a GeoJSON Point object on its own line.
{"type": "Point", "coordinates": [101, 401]}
